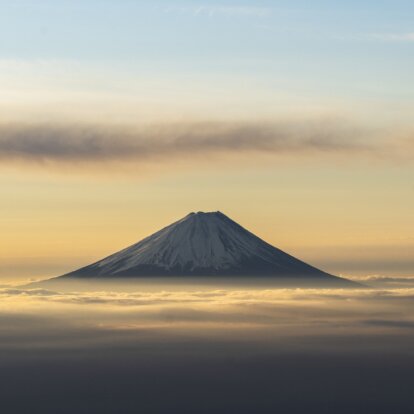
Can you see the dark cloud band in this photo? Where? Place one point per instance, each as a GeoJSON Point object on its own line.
{"type": "Point", "coordinates": [99, 144]}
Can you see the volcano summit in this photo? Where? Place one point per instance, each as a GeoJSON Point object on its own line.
{"type": "Point", "coordinates": [203, 244]}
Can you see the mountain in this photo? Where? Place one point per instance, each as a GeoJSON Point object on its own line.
{"type": "Point", "coordinates": [203, 244]}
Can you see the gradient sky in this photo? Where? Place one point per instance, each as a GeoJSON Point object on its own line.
{"type": "Point", "coordinates": [292, 117]}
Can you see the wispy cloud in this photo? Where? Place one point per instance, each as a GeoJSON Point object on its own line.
{"type": "Point", "coordinates": [387, 282]}
{"type": "Point", "coordinates": [211, 11]}
{"type": "Point", "coordinates": [393, 37]}
{"type": "Point", "coordinates": [89, 144]}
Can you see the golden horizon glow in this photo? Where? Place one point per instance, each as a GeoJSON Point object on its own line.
{"type": "Point", "coordinates": [323, 215]}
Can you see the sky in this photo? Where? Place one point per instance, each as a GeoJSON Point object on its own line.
{"type": "Point", "coordinates": [292, 117]}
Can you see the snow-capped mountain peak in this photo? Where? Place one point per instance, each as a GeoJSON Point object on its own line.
{"type": "Point", "coordinates": [201, 244]}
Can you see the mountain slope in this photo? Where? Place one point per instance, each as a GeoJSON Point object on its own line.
{"type": "Point", "coordinates": [202, 244]}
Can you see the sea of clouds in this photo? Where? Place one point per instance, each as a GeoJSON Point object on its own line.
{"type": "Point", "coordinates": [203, 349]}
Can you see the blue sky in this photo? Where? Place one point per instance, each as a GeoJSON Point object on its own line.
{"type": "Point", "coordinates": [359, 41]}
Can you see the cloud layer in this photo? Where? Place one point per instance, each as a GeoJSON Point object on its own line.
{"type": "Point", "coordinates": [233, 350]}
{"type": "Point", "coordinates": [238, 306]}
